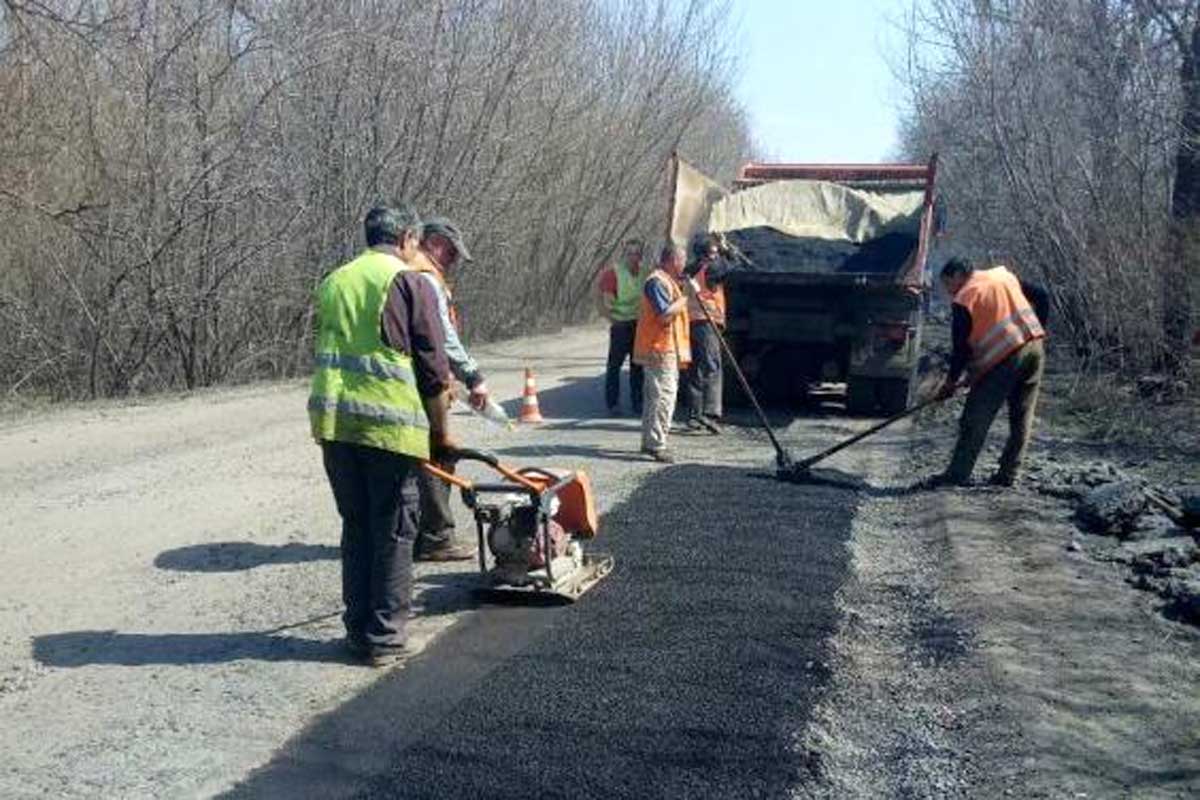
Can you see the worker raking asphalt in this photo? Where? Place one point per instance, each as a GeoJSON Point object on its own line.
{"type": "Point", "coordinates": [688, 672]}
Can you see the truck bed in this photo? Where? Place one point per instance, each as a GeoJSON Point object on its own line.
{"type": "Point", "coordinates": [770, 251]}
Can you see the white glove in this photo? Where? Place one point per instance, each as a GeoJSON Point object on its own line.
{"type": "Point", "coordinates": [479, 396]}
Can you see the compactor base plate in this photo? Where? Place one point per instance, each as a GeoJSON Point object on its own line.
{"type": "Point", "coordinates": [567, 587]}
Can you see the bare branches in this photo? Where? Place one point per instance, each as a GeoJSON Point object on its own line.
{"type": "Point", "coordinates": [198, 165]}
{"type": "Point", "coordinates": [1057, 122]}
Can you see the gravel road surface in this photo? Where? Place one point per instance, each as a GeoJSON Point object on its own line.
{"type": "Point", "coordinates": [169, 623]}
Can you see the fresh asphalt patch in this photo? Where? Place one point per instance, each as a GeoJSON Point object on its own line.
{"type": "Point", "coordinates": [690, 671]}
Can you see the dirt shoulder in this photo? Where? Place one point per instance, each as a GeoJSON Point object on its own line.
{"type": "Point", "coordinates": [989, 646]}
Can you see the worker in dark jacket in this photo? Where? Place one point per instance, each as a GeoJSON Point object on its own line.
{"type": "Point", "coordinates": [378, 407]}
{"type": "Point", "coordinates": [702, 382]}
{"type": "Point", "coordinates": [443, 250]}
{"type": "Point", "coordinates": [997, 327]}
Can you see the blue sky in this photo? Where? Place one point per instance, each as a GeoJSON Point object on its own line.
{"type": "Point", "coordinates": [816, 79]}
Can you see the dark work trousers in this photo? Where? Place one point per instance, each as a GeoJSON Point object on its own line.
{"type": "Point", "coordinates": [376, 496]}
{"type": "Point", "coordinates": [620, 347]}
{"type": "Point", "coordinates": [436, 528]}
{"type": "Point", "coordinates": [702, 382]}
{"type": "Point", "coordinates": [1016, 380]}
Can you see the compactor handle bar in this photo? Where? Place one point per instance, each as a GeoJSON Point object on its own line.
{"type": "Point", "coordinates": [484, 457]}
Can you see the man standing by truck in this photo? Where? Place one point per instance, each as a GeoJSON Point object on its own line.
{"type": "Point", "coordinates": [662, 348]}
{"type": "Point", "coordinates": [997, 327]}
{"type": "Point", "coordinates": [702, 382]}
{"type": "Point", "coordinates": [620, 292]}
{"type": "Point", "coordinates": [378, 407]}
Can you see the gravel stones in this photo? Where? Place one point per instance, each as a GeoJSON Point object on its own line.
{"type": "Point", "coordinates": [1189, 501]}
{"type": "Point", "coordinates": [1171, 569]}
{"type": "Point", "coordinates": [1113, 509]}
{"type": "Point", "coordinates": [1072, 481]}
{"type": "Point", "coordinates": [1152, 526]}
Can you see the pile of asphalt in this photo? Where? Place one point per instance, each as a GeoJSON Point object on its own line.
{"type": "Point", "coordinates": [689, 672]}
{"type": "Point", "coordinates": [772, 251]}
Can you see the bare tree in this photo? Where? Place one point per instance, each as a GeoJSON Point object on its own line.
{"type": "Point", "coordinates": [176, 176]}
{"type": "Point", "coordinates": [1057, 125]}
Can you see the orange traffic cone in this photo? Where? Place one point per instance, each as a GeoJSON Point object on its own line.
{"type": "Point", "coordinates": [529, 404]}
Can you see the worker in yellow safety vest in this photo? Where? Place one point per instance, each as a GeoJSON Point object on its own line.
{"type": "Point", "coordinates": [378, 406]}
{"type": "Point", "coordinates": [662, 347]}
{"type": "Point", "coordinates": [997, 327]}
{"type": "Point", "coordinates": [620, 292]}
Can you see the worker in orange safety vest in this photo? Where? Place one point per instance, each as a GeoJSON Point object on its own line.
{"type": "Point", "coordinates": [702, 382]}
{"type": "Point", "coordinates": [662, 347]}
{"type": "Point", "coordinates": [998, 324]}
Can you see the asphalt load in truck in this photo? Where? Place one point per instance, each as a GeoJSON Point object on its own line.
{"type": "Point", "coordinates": [772, 251]}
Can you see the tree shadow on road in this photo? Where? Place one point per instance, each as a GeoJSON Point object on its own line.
{"type": "Point", "coordinates": [85, 648]}
{"type": "Point", "coordinates": [239, 556]}
{"type": "Point", "coordinates": [573, 450]}
{"type": "Point", "coordinates": [575, 398]}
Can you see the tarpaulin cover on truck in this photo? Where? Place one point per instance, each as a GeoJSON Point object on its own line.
{"type": "Point", "coordinates": [819, 210]}
{"type": "Point", "coordinates": [802, 226]}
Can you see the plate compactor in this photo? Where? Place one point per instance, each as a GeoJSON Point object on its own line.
{"type": "Point", "coordinates": [532, 525]}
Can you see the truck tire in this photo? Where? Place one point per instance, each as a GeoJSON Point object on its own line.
{"type": "Point", "coordinates": [860, 396]}
{"type": "Point", "coordinates": [877, 396]}
{"type": "Point", "coordinates": [894, 395]}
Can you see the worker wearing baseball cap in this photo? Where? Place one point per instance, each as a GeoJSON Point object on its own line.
{"type": "Point", "coordinates": [441, 250]}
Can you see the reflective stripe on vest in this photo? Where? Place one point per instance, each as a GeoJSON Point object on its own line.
{"type": "Point", "coordinates": [367, 366]}
{"type": "Point", "coordinates": [629, 292]}
{"type": "Point", "coordinates": [658, 339]}
{"type": "Point", "coordinates": [363, 392]}
{"type": "Point", "coordinates": [1002, 320]}
{"type": "Point", "coordinates": [392, 416]}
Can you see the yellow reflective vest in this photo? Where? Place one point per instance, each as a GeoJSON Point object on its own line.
{"type": "Point", "coordinates": [363, 392]}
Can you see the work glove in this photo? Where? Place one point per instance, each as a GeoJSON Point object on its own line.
{"type": "Point", "coordinates": [479, 395]}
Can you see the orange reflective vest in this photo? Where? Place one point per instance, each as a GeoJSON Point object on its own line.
{"type": "Point", "coordinates": [658, 337]}
{"type": "Point", "coordinates": [423, 263]}
{"type": "Point", "coordinates": [1002, 320]}
{"type": "Point", "coordinates": [713, 298]}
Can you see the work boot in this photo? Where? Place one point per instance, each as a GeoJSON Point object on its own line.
{"type": "Point", "coordinates": [385, 655]}
{"type": "Point", "coordinates": [694, 425]}
{"type": "Point", "coordinates": [941, 480]}
{"type": "Point", "coordinates": [710, 425]}
{"type": "Point", "coordinates": [1002, 479]}
{"type": "Point", "coordinates": [445, 552]}
{"type": "Point", "coordinates": [357, 646]}
{"type": "Point", "coordinates": [661, 456]}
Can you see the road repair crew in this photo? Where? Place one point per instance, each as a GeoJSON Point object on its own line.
{"type": "Point", "coordinates": [378, 405]}
{"type": "Point", "coordinates": [662, 348]}
{"type": "Point", "coordinates": [702, 382]}
{"type": "Point", "coordinates": [997, 327]}
{"type": "Point", "coordinates": [620, 292]}
{"type": "Point", "coordinates": [441, 250]}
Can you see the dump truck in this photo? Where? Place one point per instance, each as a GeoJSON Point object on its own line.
{"type": "Point", "coordinates": [828, 278]}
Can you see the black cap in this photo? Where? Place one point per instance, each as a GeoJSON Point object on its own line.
{"type": "Point", "coordinates": [444, 227]}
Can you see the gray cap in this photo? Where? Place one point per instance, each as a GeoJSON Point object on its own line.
{"type": "Point", "coordinates": [444, 227]}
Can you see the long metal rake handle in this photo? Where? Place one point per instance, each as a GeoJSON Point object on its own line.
{"type": "Point", "coordinates": [842, 445]}
{"type": "Point", "coordinates": [782, 459]}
